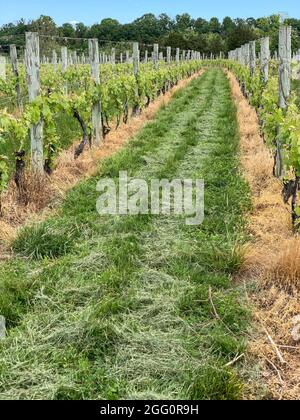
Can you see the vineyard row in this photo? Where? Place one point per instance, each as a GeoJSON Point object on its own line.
{"type": "Point", "coordinates": [268, 88]}
{"type": "Point", "coordinates": [95, 96]}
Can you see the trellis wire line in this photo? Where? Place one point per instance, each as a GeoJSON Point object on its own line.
{"type": "Point", "coordinates": [67, 38]}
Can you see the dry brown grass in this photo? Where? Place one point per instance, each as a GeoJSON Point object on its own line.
{"type": "Point", "coordinates": [43, 195]}
{"type": "Point", "coordinates": [6, 232]}
{"type": "Point", "coordinates": [272, 264]}
{"type": "Point", "coordinates": [19, 205]}
{"type": "Point", "coordinates": [284, 271]}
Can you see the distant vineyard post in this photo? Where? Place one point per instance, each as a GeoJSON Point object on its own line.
{"type": "Point", "coordinates": [113, 57]}
{"type": "Point", "coordinates": [75, 60]}
{"type": "Point", "coordinates": [240, 55]}
{"type": "Point", "coordinates": [155, 55]}
{"type": "Point", "coordinates": [247, 55]}
{"type": "Point", "coordinates": [32, 61]}
{"type": "Point", "coordinates": [264, 58]}
{"type": "Point", "coordinates": [285, 58]}
{"type": "Point", "coordinates": [54, 59]}
{"type": "Point", "coordinates": [177, 56]}
{"type": "Point", "coordinates": [64, 58]}
{"type": "Point", "coordinates": [3, 68]}
{"type": "Point", "coordinates": [252, 57]}
{"type": "Point", "coordinates": [136, 59]}
{"type": "Point", "coordinates": [169, 52]}
{"type": "Point", "coordinates": [136, 67]}
{"type": "Point", "coordinates": [15, 68]}
{"type": "Point", "coordinates": [95, 73]}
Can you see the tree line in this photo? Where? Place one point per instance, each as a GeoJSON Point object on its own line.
{"type": "Point", "coordinates": [207, 36]}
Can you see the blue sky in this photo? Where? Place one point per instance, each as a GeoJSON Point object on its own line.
{"type": "Point", "coordinates": [92, 11]}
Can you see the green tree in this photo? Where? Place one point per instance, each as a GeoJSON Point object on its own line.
{"type": "Point", "coordinates": [228, 26]}
{"type": "Point", "coordinates": [214, 25]}
{"type": "Point", "coordinates": [214, 43]}
{"type": "Point", "coordinates": [67, 30]}
{"type": "Point", "coordinates": [108, 30]}
{"type": "Point", "coordinates": [201, 26]}
{"type": "Point", "coordinates": [166, 24]}
{"type": "Point", "coordinates": [147, 29]}
{"type": "Point", "coordinates": [184, 22]}
{"type": "Point", "coordinates": [81, 30]}
{"type": "Point", "coordinates": [240, 35]}
{"type": "Point", "coordinates": [46, 26]}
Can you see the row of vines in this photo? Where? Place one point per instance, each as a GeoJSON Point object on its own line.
{"type": "Point", "coordinates": [275, 120]}
{"type": "Point", "coordinates": [280, 125]}
{"type": "Point", "coordinates": [73, 92]}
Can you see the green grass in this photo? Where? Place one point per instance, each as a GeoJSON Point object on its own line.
{"type": "Point", "coordinates": [118, 307]}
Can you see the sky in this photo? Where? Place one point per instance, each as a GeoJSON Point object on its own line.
{"type": "Point", "coordinates": [93, 11]}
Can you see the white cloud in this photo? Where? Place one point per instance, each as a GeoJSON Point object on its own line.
{"type": "Point", "coordinates": [74, 22]}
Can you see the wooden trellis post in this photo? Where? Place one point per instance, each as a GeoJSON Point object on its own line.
{"type": "Point", "coordinates": [136, 66]}
{"type": "Point", "coordinates": [75, 60]}
{"type": "Point", "coordinates": [169, 53]}
{"type": "Point", "coordinates": [113, 57]}
{"type": "Point", "coordinates": [177, 56]}
{"type": "Point", "coordinates": [285, 58]}
{"type": "Point", "coordinates": [252, 48]}
{"type": "Point", "coordinates": [95, 73]}
{"type": "Point", "coordinates": [264, 58]}
{"type": "Point", "coordinates": [247, 55]}
{"type": "Point", "coordinates": [2, 68]}
{"type": "Point", "coordinates": [14, 63]}
{"type": "Point", "coordinates": [64, 58]}
{"type": "Point", "coordinates": [54, 59]}
{"type": "Point", "coordinates": [155, 55]}
{"type": "Point", "coordinates": [2, 328]}
{"type": "Point", "coordinates": [146, 57]}
{"type": "Point", "coordinates": [136, 59]}
{"type": "Point", "coordinates": [32, 62]}
{"type": "Point", "coordinates": [127, 56]}
{"type": "Point", "coordinates": [240, 55]}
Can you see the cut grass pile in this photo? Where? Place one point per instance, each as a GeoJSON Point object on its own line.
{"type": "Point", "coordinates": [124, 307]}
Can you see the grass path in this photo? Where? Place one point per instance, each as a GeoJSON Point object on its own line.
{"type": "Point", "coordinates": [118, 307]}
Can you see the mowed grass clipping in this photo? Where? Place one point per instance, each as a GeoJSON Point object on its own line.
{"type": "Point", "coordinates": [123, 307]}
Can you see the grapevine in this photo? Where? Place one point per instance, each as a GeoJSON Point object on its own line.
{"type": "Point", "coordinates": [74, 93]}
{"type": "Point", "coordinates": [273, 119]}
